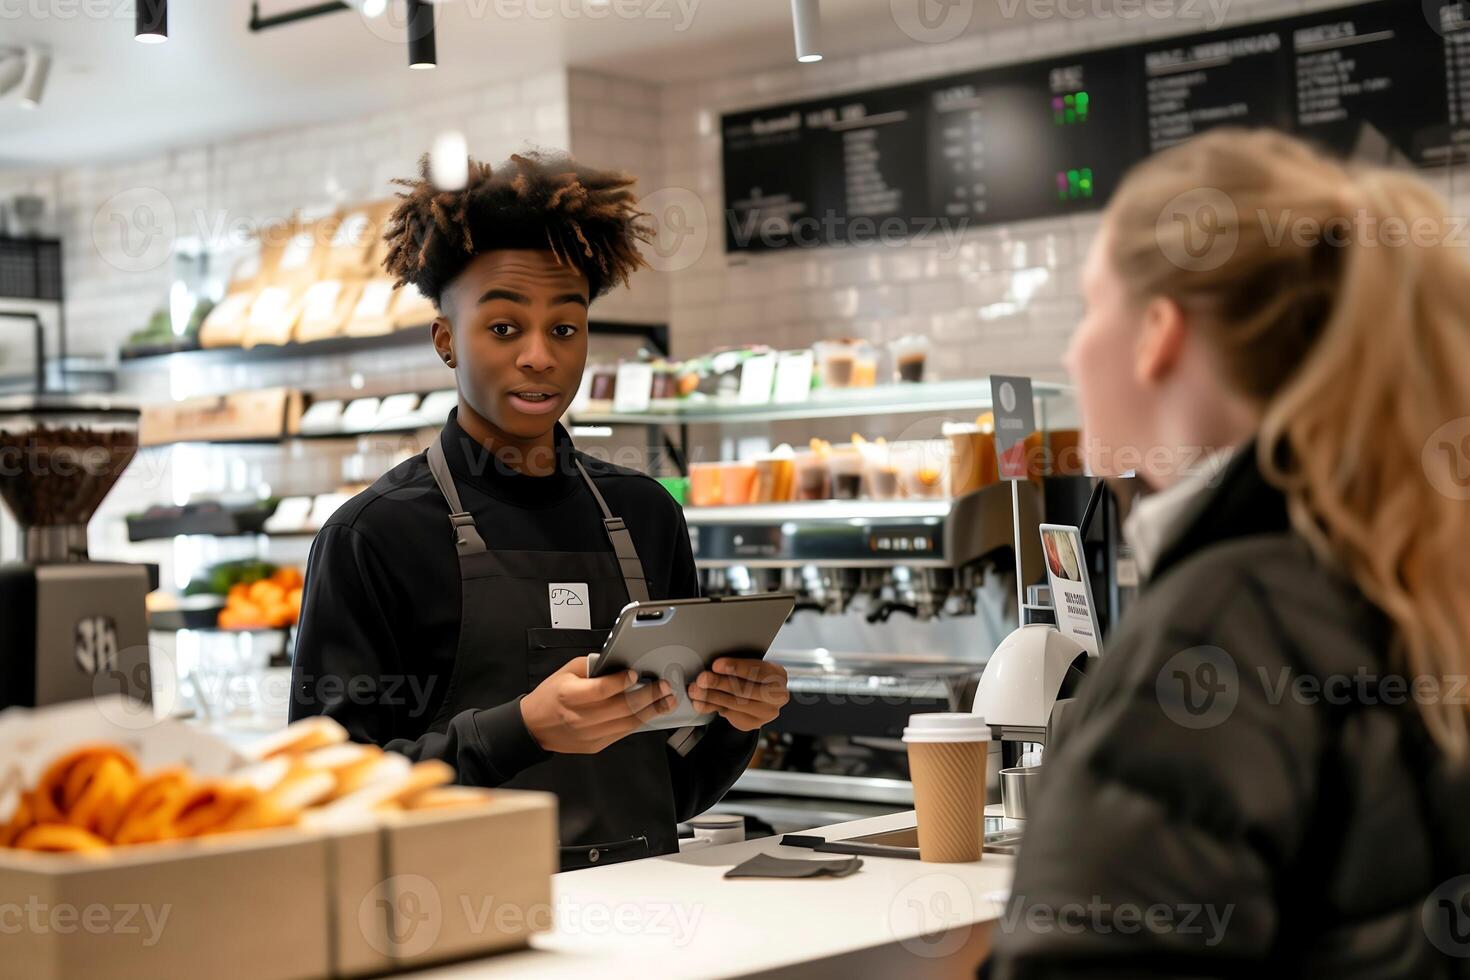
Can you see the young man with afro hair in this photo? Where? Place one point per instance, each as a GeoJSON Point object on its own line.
{"type": "Point", "coordinates": [449, 607]}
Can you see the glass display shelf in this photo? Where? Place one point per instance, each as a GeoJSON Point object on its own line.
{"type": "Point", "coordinates": [891, 399]}
{"type": "Point", "coordinates": [895, 399]}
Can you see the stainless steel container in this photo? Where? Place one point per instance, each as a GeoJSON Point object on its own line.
{"type": "Point", "coordinates": [1015, 783]}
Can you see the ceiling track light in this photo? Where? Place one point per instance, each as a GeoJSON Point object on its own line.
{"type": "Point", "coordinates": [806, 25]}
{"type": "Point", "coordinates": [419, 23]}
{"type": "Point", "coordinates": [151, 21]}
{"type": "Point", "coordinates": [421, 48]}
{"type": "Point", "coordinates": [33, 82]}
{"type": "Point", "coordinates": [369, 8]}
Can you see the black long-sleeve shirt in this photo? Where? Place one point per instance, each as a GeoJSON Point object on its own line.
{"type": "Point", "coordinates": [381, 609]}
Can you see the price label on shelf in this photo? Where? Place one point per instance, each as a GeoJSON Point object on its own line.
{"type": "Point", "coordinates": [757, 375]}
{"type": "Point", "coordinates": [635, 387]}
{"type": "Point", "coordinates": [794, 376]}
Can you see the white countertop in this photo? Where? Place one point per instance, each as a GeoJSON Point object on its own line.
{"type": "Point", "coordinates": [676, 917]}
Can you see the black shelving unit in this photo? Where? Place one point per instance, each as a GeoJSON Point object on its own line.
{"type": "Point", "coordinates": [295, 437]}
{"type": "Point", "coordinates": [162, 530]}
{"type": "Point", "coordinates": [30, 268]}
{"type": "Point", "coordinates": [30, 271]}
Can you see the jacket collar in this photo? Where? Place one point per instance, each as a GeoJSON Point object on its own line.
{"type": "Point", "coordinates": [1242, 504]}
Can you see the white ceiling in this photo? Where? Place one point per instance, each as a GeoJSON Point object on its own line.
{"type": "Point", "coordinates": [111, 97]}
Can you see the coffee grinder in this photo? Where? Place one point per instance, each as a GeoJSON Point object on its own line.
{"type": "Point", "coordinates": [70, 628]}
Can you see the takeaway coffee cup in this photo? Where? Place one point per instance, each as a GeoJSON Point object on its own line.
{"type": "Point", "coordinates": [947, 759]}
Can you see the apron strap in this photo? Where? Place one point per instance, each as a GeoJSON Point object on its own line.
{"type": "Point", "coordinates": [467, 541]}
{"type": "Point", "coordinates": [622, 542]}
{"type": "Point", "coordinates": [467, 538]}
{"type": "Point", "coordinates": [683, 739]}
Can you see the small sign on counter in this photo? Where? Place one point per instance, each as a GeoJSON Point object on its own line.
{"type": "Point", "coordinates": [1015, 420]}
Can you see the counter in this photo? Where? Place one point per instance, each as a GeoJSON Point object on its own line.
{"type": "Point", "coordinates": [675, 917]}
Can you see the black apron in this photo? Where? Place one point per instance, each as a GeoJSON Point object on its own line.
{"type": "Point", "coordinates": [616, 805]}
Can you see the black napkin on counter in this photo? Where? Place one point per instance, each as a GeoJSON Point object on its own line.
{"type": "Point", "coordinates": [769, 866]}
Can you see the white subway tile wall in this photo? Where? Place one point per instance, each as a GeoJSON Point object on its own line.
{"type": "Point", "coordinates": [1000, 298]}
{"type": "Point", "coordinates": [114, 282]}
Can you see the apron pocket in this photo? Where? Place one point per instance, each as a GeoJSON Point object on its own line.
{"type": "Point", "coordinates": [548, 650]}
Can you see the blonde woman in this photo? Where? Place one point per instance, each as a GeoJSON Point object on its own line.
{"type": "Point", "coordinates": [1266, 774]}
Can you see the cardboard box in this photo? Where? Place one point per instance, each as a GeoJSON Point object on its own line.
{"type": "Point", "coordinates": [273, 239]}
{"type": "Point", "coordinates": [357, 249]}
{"type": "Point", "coordinates": [301, 261]}
{"type": "Point", "coordinates": [372, 313]}
{"type": "Point", "coordinates": [325, 307]}
{"type": "Point", "coordinates": [265, 414]}
{"type": "Point", "coordinates": [225, 325]}
{"type": "Point", "coordinates": [424, 887]}
{"type": "Point", "coordinates": [401, 890]}
{"type": "Point", "coordinates": [249, 907]}
{"type": "Point", "coordinates": [389, 891]}
{"type": "Point", "coordinates": [272, 317]}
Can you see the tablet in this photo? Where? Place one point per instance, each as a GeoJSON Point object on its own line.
{"type": "Point", "coordinates": [677, 639]}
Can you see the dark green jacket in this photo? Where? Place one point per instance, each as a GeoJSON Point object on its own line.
{"type": "Point", "coordinates": [1242, 790]}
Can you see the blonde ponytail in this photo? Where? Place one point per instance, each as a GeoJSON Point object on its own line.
{"type": "Point", "coordinates": [1343, 312]}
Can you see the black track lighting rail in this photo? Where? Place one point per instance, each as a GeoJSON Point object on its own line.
{"type": "Point", "coordinates": [259, 23]}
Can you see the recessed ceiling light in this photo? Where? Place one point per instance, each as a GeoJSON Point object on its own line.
{"type": "Point", "coordinates": [806, 25]}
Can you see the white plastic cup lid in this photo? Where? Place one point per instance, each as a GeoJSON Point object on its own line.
{"type": "Point", "coordinates": [718, 821]}
{"type": "Point", "coordinates": [946, 726]}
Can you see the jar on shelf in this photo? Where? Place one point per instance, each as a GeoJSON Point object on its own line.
{"type": "Point", "coordinates": [665, 388]}
{"type": "Point", "coordinates": [602, 386]}
{"type": "Point", "coordinates": [846, 363]}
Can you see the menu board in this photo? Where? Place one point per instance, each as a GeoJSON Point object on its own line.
{"type": "Point", "coordinates": [836, 171]}
{"type": "Point", "coordinates": [1451, 141]}
{"type": "Point", "coordinates": [1048, 138]}
{"type": "Point", "coordinates": [1236, 79]}
{"type": "Point", "coordinates": [1028, 141]}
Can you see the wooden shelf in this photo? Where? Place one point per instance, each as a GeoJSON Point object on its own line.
{"type": "Point", "coordinates": [656, 334]}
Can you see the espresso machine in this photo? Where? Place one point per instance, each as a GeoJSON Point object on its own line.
{"type": "Point", "coordinates": [898, 602]}
{"type": "Point", "coordinates": [70, 628]}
